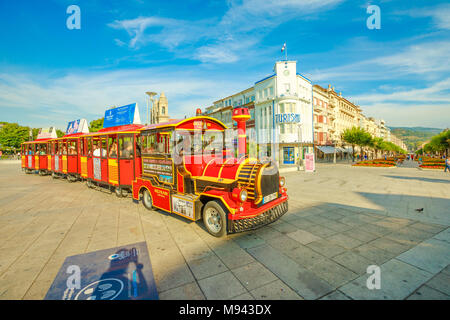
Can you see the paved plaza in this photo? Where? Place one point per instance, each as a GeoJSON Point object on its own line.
{"type": "Point", "coordinates": [341, 220]}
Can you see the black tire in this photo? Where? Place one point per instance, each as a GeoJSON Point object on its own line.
{"type": "Point", "coordinates": [147, 200]}
{"type": "Point", "coordinates": [124, 193]}
{"type": "Point", "coordinates": [89, 184]}
{"type": "Point", "coordinates": [118, 191]}
{"type": "Point", "coordinates": [215, 218]}
{"type": "Point", "coordinates": [54, 176]}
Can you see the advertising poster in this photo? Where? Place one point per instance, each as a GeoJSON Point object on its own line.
{"type": "Point", "coordinates": [183, 207]}
{"type": "Point", "coordinates": [309, 162]}
{"type": "Point", "coordinates": [77, 126]}
{"type": "Point", "coordinates": [97, 168]}
{"type": "Point", "coordinates": [121, 273]}
{"type": "Point", "coordinates": [47, 133]}
{"type": "Point", "coordinates": [56, 163]}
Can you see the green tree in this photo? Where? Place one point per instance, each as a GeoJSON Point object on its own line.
{"type": "Point", "coordinates": [96, 125]}
{"type": "Point", "coordinates": [356, 136]}
{"type": "Point", "coordinates": [35, 132]}
{"type": "Point", "coordinates": [12, 135]}
{"type": "Point", "coordinates": [378, 145]}
{"type": "Point", "coordinates": [60, 133]}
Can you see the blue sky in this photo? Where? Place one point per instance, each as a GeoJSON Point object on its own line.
{"type": "Point", "coordinates": [200, 51]}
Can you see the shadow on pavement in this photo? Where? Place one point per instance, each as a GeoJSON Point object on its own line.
{"type": "Point", "coordinates": [418, 178]}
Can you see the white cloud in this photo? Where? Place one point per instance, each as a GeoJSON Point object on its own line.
{"type": "Point", "coordinates": [217, 40]}
{"type": "Point", "coordinates": [439, 14]}
{"type": "Point", "coordinates": [427, 60]}
{"type": "Point", "coordinates": [79, 94]}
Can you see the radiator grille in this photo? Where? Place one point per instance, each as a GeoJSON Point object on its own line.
{"type": "Point", "coordinates": [247, 178]}
{"type": "Point", "coordinates": [264, 218]}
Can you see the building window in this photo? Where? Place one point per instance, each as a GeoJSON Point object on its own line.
{"type": "Point", "coordinates": [281, 107]}
{"type": "Point", "coordinates": [271, 91]}
{"type": "Point", "coordinates": [265, 93]}
{"type": "Point", "coordinates": [287, 87]}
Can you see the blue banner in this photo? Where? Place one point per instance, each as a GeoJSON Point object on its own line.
{"type": "Point", "coordinates": [119, 116]}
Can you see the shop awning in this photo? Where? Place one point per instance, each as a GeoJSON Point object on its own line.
{"type": "Point", "coordinates": [349, 150]}
{"type": "Point", "coordinates": [326, 149]}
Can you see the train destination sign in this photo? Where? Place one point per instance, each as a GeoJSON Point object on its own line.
{"type": "Point", "coordinates": [162, 168]}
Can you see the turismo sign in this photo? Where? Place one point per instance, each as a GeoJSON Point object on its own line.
{"type": "Point", "coordinates": [287, 117]}
{"type": "Point", "coordinates": [121, 116]}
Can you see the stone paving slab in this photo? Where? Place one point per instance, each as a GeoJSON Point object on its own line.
{"type": "Point", "coordinates": [431, 255]}
{"type": "Point", "coordinates": [302, 281]}
{"type": "Point", "coordinates": [398, 280]}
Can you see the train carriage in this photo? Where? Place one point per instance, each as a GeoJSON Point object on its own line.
{"type": "Point", "coordinates": [187, 170]}
{"type": "Point", "coordinates": [35, 156]}
{"type": "Point", "coordinates": [110, 158]}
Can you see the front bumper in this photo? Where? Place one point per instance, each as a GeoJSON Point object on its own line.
{"type": "Point", "coordinates": [268, 216]}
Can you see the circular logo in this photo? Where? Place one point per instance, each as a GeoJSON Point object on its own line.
{"type": "Point", "coordinates": [105, 289]}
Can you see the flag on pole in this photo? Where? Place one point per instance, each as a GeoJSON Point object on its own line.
{"type": "Point", "coordinates": [284, 47]}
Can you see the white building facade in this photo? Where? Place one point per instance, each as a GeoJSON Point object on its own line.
{"type": "Point", "coordinates": [281, 107]}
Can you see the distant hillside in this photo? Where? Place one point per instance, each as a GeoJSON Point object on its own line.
{"type": "Point", "coordinates": [414, 136]}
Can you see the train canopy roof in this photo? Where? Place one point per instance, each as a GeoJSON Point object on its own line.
{"type": "Point", "coordinates": [128, 128]}
{"type": "Point", "coordinates": [38, 140]}
{"type": "Point", "coordinates": [193, 123]}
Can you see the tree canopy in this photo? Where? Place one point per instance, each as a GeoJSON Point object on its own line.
{"type": "Point", "coordinates": [439, 143]}
{"type": "Point", "coordinates": [96, 125]}
{"type": "Point", "coordinates": [12, 135]}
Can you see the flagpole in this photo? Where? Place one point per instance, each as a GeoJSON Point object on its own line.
{"type": "Point", "coordinates": [285, 49]}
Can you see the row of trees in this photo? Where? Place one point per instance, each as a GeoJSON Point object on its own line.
{"type": "Point", "coordinates": [357, 136]}
{"type": "Point", "coordinates": [439, 144]}
{"type": "Point", "coordinates": [12, 135]}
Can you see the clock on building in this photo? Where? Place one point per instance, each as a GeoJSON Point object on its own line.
{"type": "Point", "coordinates": [286, 72]}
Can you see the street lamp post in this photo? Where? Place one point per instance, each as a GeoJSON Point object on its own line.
{"type": "Point", "coordinates": [334, 147]}
{"type": "Point", "coordinates": [149, 115]}
{"type": "Point", "coordinates": [300, 149]}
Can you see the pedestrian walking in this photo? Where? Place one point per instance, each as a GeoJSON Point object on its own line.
{"type": "Point", "coordinates": [447, 165]}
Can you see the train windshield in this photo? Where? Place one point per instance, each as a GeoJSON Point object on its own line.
{"type": "Point", "coordinates": [199, 142]}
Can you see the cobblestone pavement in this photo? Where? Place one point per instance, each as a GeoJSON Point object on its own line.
{"type": "Point", "coordinates": [341, 219]}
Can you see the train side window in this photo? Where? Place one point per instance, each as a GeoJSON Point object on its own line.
{"type": "Point", "coordinates": [43, 149]}
{"type": "Point", "coordinates": [63, 148]}
{"type": "Point", "coordinates": [89, 146]}
{"type": "Point", "coordinates": [56, 148]}
{"type": "Point", "coordinates": [104, 147]}
{"type": "Point", "coordinates": [112, 143]}
{"type": "Point", "coordinates": [126, 147]}
{"type": "Point", "coordinates": [138, 146]}
{"type": "Point", "coordinates": [148, 143]}
{"type": "Point", "coordinates": [81, 147]}
{"type": "Point", "coordinates": [72, 147]}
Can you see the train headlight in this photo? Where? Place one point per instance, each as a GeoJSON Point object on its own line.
{"type": "Point", "coordinates": [282, 181]}
{"type": "Point", "coordinates": [243, 195]}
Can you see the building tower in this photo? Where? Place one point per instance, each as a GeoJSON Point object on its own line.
{"type": "Point", "coordinates": [160, 112]}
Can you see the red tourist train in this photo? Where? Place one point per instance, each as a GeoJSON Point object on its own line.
{"type": "Point", "coordinates": [180, 166]}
